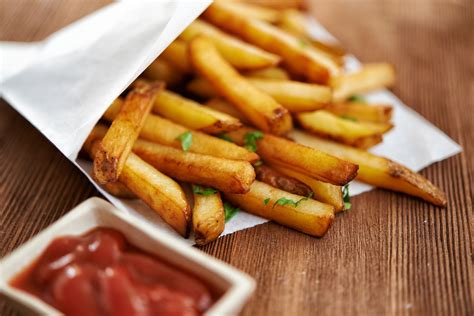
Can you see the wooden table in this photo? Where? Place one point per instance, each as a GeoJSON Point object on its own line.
{"type": "Point", "coordinates": [390, 254]}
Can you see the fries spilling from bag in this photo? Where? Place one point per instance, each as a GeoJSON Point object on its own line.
{"type": "Point", "coordinates": [249, 113]}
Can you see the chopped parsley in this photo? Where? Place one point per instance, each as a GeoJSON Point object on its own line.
{"type": "Point", "coordinates": [349, 118]}
{"type": "Point", "coordinates": [258, 163]}
{"type": "Point", "coordinates": [186, 140]}
{"type": "Point", "coordinates": [230, 211]}
{"type": "Point", "coordinates": [225, 137]}
{"type": "Point", "coordinates": [250, 140]}
{"type": "Point", "coordinates": [203, 190]}
{"type": "Point", "coordinates": [284, 201]}
{"type": "Point", "coordinates": [265, 202]}
{"type": "Point", "coordinates": [357, 99]}
{"type": "Point", "coordinates": [346, 197]}
{"type": "Point", "coordinates": [303, 43]}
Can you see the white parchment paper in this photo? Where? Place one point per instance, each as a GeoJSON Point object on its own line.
{"type": "Point", "coordinates": [63, 85]}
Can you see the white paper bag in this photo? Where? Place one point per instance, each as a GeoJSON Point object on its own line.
{"type": "Point", "coordinates": [64, 84]}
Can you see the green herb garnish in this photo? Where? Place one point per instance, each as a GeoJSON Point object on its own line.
{"type": "Point", "coordinates": [203, 190]}
{"type": "Point", "coordinates": [357, 99]}
{"type": "Point", "coordinates": [265, 202]}
{"type": "Point", "coordinates": [285, 201]}
{"type": "Point", "coordinates": [258, 163]}
{"type": "Point", "coordinates": [349, 118]}
{"type": "Point", "coordinates": [250, 140]}
{"type": "Point", "coordinates": [225, 137]}
{"type": "Point", "coordinates": [230, 211]}
{"type": "Point", "coordinates": [186, 140]}
{"type": "Point", "coordinates": [346, 197]}
{"type": "Point", "coordinates": [303, 43]}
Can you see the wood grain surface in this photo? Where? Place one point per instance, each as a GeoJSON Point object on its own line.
{"type": "Point", "coordinates": [389, 255]}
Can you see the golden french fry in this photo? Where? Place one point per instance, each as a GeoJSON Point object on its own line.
{"type": "Point", "coordinates": [118, 141]}
{"type": "Point", "coordinates": [312, 162]}
{"type": "Point", "coordinates": [223, 106]}
{"type": "Point", "coordinates": [293, 95]}
{"type": "Point", "coordinates": [375, 113]}
{"type": "Point", "coordinates": [324, 192]}
{"type": "Point", "coordinates": [165, 132]}
{"type": "Point", "coordinates": [158, 191]}
{"type": "Point", "coordinates": [281, 181]}
{"type": "Point", "coordinates": [370, 77]}
{"type": "Point", "coordinates": [161, 70]}
{"type": "Point", "coordinates": [268, 73]}
{"type": "Point", "coordinates": [255, 12]}
{"type": "Point", "coordinates": [278, 4]}
{"type": "Point", "coordinates": [308, 216]}
{"type": "Point", "coordinates": [376, 170]}
{"type": "Point", "coordinates": [238, 53]}
{"type": "Point", "coordinates": [258, 107]}
{"type": "Point", "coordinates": [296, 23]}
{"type": "Point", "coordinates": [298, 57]}
{"type": "Point", "coordinates": [193, 115]}
{"type": "Point", "coordinates": [177, 55]}
{"type": "Point", "coordinates": [208, 217]}
{"type": "Point", "coordinates": [357, 134]}
{"type": "Point", "coordinates": [223, 174]}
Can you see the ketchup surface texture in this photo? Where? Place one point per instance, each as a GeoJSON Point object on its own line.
{"type": "Point", "coordinates": [100, 273]}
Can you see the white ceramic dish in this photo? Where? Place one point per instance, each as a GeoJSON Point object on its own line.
{"type": "Point", "coordinates": [235, 285]}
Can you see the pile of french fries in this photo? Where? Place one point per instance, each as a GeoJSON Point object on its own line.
{"type": "Point", "coordinates": [245, 111]}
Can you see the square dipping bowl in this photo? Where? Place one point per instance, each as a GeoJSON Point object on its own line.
{"type": "Point", "coordinates": [234, 287]}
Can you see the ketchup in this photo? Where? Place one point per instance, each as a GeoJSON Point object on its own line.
{"type": "Point", "coordinates": [100, 273]}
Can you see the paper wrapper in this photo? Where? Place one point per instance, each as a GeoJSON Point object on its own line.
{"type": "Point", "coordinates": [64, 84]}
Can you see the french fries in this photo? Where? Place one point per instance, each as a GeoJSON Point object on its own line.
{"type": "Point", "coordinates": [258, 107]}
{"type": "Point", "coordinates": [223, 174]}
{"type": "Point", "coordinates": [370, 77]}
{"type": "Point", "coordinates": [255, 12]}
{"type": "Point", "coordinates": [357, 134]}
{"type": "Point", "coordinates": [308, 216]}
{"type": "Point", "coordinates": [158, 191]}
{"type": "Point", "coordinates": [208, 217]}
{"type": "Point", "coordinates": [293, 95]}
{"type": "Point", "coordinates": [376, 170]}
{"type": "Point", "coordinates": [165, 132]}
{"type": "Point", "coordinates": [239, 54]}
{"type": "Point", "coordinates": [223, 106]}
{"type": "Point", "coordinates": [281, 181]}
{"type": "Point", "coordinates": [296, 23]}
{"type": "Point", "coordinates": [193, 115]}
{"type": "Point", "coordinates": [268, 73]}
{"type": "Point", "coordinates": [117, 143]}
{"type": "Point", "coordinates": [375, 113]}
{"type": "Point", "coordinates": [324, 192]}
{"type": "Point", "coordinates": [177, 55]}
{"type": "Point", "coordinates": [303, 159]}
{"type": "Point", "coordinates": [299, 58]}
{"type": "Point", "coordinates": [161, 70]}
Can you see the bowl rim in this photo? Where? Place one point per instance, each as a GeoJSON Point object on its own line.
{"type": "Point", "coordinates": [241, 285]}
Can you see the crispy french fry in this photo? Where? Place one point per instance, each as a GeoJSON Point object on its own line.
{"type": "Point", "coordinates": [268, 73]}
{"type": "Point", "coordinates": [357, 134]}
{"type": "Point", "coordinates": [375, 113]}
{"type": "Point", "coordinates": [161, 70]}
{"type": "Point", "coordinates": [177, 55]}
{"type": "Point", "coordinates": [238, 53]}
{"type": "Point", "coordinates": [223, 106]}
{"type": "Point", "coordinates": [308, 216]}
{"type": "Point", "coordinates": [118, 141]}
{"type": "Point", "coordinates": [279, 4]}
{"type": "Point", "coordinates": [193, 115]}
{"type": "Point", "coordinates": [223, 174]}
{"type": "Point", "coordinates": [293, 95]}
{"type": "Point", "coordinates": [281, 181]}
{"type": "Point", "coordinates": [258, 107]}
{"type": "Point", "coordinates": [324, 192]}
{"type": "Point", "coordinates": [296, 23]}
{"type": "Point", "coordinates": [165, 132]}
{"type": "Point", "coordinates": [299, 58]}
{"type": "Point", "coordinates": [312, 162]}
{"type": "Point", "coordinates": [255, 12]}
{"type": "Point", "coordinates": [376, 170]}
{"type": "Point", "coordinates": [370, 77]}
{"type": "Point", "coordinates": [158, 191]}
{"type": "Point", "coordinates": [208, 217]}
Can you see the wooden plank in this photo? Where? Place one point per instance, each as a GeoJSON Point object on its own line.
{"type": "Point", "coordinates": [389, 255]}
